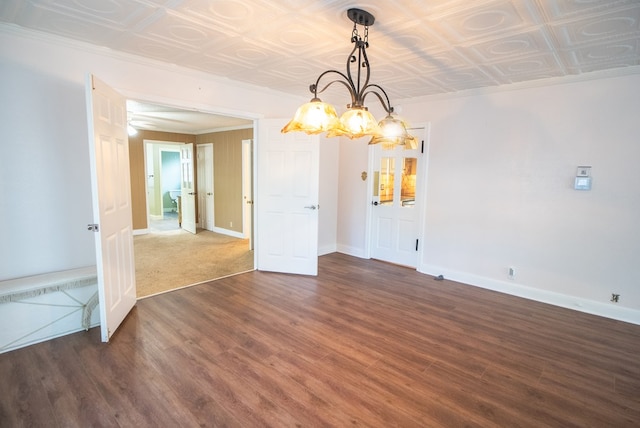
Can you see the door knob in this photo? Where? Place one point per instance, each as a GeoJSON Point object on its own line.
{"type": "Point", "coordinates": [312, 207]}
{"type": "Point", "coordinates": [374, 203]}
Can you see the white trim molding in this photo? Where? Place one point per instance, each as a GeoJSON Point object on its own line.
{"type": "Point", "coordinates": [607, 310]}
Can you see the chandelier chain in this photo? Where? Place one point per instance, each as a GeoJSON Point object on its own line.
{"type": "Point", "coordinates": [355, 36]}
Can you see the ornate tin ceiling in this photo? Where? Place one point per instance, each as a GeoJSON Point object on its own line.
{"type": "Point", "coordinates": [417, 48]}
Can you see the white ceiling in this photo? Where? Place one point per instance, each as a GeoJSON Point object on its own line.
{"type": "Point", "coordinates": [156, 117]}
{"type": "Point", "coordinates": [417, 48]}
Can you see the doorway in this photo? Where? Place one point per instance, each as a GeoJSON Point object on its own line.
{"type": "Point", "coordinates": [162, 169]}
{"type": "Point", "coordinates": [210, 248]}
{"type": "Point", "coordinates": [168, 257]}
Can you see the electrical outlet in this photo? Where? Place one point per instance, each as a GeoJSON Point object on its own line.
{"type": "Point", "coordinates": [615, 298]}
{"type": "Point", "coordinates": [512, 272]}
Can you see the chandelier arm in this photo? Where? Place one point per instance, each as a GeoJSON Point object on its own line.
{"type": "Point", "coordinates": [353, 98]}
{"type": "Point", "coordinates": [365, 64]}
{"type": "Point", "coordinates": [355, 91]}
{"type": "Point", "coordinates": [347, 83]}
{"type": "Point", "coordinates": [386, 104]}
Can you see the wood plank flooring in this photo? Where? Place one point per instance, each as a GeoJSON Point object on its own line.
{"type": "Point", "coordinates": [363, 344]}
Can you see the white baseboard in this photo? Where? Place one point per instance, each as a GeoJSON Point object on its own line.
{"type": "Point", "coordinates": [228, 232]}
{"type": "Point", "coordinates": [351, 251]}
{"type": "Point", "coordinates": [607, 310]}
{"type": "Point", "coordinates": [326, 249]}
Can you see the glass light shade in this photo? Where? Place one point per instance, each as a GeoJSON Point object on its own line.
{"type": "Point", "coordinates": [313, 117]}
{"type": "Point", "coordinates": [356, 122]}
{"type": "Point", "coordinates": [391, 127]}
{"type": "Point", "coordinates": [393, 132]}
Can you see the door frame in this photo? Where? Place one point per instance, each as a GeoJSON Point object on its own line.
{"type": "Point", "coordinates": [209, 109]}
{"type": "Point", "coordinates": [146, 144]}
{"type": "Point", "coordinates": [160, 151]}
{"type": "Point", "coordinates": [421, 195]}
{"type": "Point", "coordinates": [248, 186]}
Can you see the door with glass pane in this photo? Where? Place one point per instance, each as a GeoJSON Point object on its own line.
{"type": "Point", "coordinates": [394, 218]}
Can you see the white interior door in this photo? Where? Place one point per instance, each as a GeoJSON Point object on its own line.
{"type": "Point", "coordinates": [205, 186]}
{"type": "Point", "coordinates": [287, 200]}
{"type": "Point", "coordinates": [111, 194]}
{"type": "Point", "coordinates": [247, 191]}
{"type": "Point", "coordinates": [187, 188]}
{"type": "Point", "coordinates": [395, 214]}
{"type": "Point", "coordinates": [150, 182]}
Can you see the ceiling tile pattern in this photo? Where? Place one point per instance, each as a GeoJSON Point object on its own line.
{"type": "Point", "coordinates": [417, 48]}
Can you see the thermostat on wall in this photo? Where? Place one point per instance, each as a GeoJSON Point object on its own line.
{"type": "Point", "coordinates": [582, 183]}
{"type": "Point", "coordinates": [583, 178]}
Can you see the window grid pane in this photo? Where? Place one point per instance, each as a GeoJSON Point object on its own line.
{"type": "Point", "coordinates": [408, 187]}
{"type": "Point", "coordinates": [387, 171]}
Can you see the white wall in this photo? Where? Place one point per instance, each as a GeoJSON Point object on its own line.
{"type": "Point", "coordinates": [45, 201]}
{"type": "Point", "coordinates": [500, 192]}
{"type": "Point", "coordinates": [328, 194]}
{"type": "Point", "coordinates": [352, 197]}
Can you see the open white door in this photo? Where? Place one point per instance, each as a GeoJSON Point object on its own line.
{"type": "Point", "coordinates": [287, 200]}
{"type": "Point", "coordinates": [187, 188]}
{"type": "Point", "coordinates": [206, 201]}
{"type": "Point", "coordinates": [111, 194]}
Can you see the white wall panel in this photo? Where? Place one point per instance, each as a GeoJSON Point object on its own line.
{"type": "Point", "coordinates": [500, 192]}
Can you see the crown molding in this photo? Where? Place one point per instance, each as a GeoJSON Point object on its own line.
{"type": "Point", "coordinates": [42, 37]}
{"type": "Point", "coordinates": [529, 84]}
{"type": "Point", "coordinates": [18, 31]}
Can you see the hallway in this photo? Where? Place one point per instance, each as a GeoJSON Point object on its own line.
{"type": "Point", "coordinates": [169, 258]}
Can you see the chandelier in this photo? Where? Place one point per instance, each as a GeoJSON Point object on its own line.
{"type": "Point", "coordinates": [317, 116]}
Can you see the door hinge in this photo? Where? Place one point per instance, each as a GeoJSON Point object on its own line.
{"type": "Point", "coordinates": [422, 148]}
{"type": "Point", "coordinates": [94, 227]}
{"type": "Point", "coordinates": [416, 245]}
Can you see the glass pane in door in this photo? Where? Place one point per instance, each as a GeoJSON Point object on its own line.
{"type": "Point", "coordinates": [387, 171]}
{"type": "Point", "coordinates": [187, 179]}
{"type": "Point", "coordinates": [408, 186]}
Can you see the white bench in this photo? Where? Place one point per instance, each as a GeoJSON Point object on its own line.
{"type": "Point", "coordinates": [41, 307]}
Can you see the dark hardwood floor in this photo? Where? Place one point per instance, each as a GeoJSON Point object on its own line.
{"type": "Point", "coordinates": [363, 344]}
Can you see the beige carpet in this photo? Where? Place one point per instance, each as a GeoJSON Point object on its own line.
{"type": "Point", "coordinates": [173, 259]}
